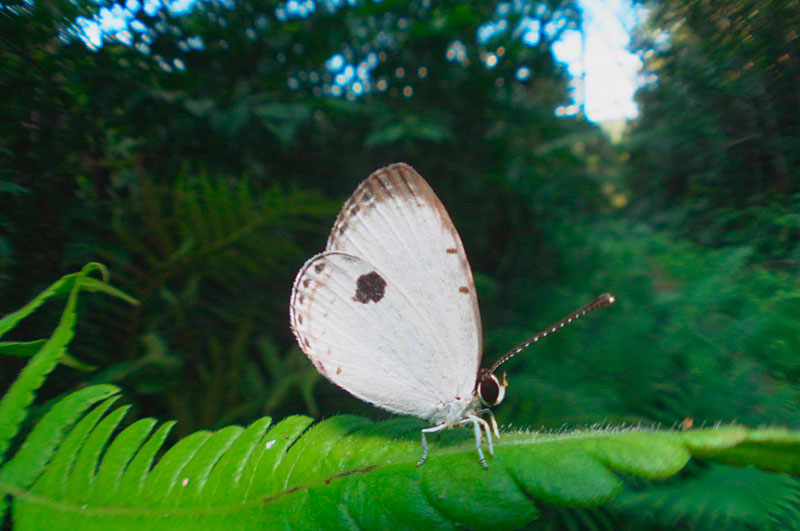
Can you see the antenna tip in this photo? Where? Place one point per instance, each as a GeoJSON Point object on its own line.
{"type": "Point", "coordinates": [606, 299]}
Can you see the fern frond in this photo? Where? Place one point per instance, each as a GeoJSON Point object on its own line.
{"type": "Point", "coordinates": [771, 447]}
{"type": "Point", "coordinates": [716, 497]}
{"type": "Point", "coordinates": [14, 403]}
{"type": "Point", "coordinates": [345, 472]}
{"type": "Point", "coordinates": [29, 462]}
{"type": "Point", "coordinates": [66, 285]}
{"type": "Point", "coordinates": [29, 348]}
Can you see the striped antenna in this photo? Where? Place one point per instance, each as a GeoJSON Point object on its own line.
{"type": "Point", "coordinates": [606, 299]}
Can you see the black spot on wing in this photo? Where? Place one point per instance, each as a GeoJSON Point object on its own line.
{"type": "Point", "coordinates": [370, 287]}
{"type": "Point", "coordinates": [319, 267]}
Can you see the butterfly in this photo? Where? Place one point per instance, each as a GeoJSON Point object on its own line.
{"type": "Point", "coordinates": [389, 310]}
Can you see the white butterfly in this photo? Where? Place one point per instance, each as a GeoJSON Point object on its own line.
{"type": "Point", "coordinates": [389, 311]}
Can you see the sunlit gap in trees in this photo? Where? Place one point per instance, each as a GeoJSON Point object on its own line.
{"type": "Point", "coordinates": [603, 75]}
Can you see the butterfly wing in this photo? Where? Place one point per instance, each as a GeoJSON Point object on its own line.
{"type": "Point", "coordinates": [360, 330]}
{"type": "Point", "coordinates": [422, 340]}
{"type": "Point", "coordinates": [395, 221]}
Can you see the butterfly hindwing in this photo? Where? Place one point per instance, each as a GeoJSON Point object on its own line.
{"type": "Point", "coordinates": [359, 329]}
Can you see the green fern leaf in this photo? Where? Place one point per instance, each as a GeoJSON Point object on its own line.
{"type": "Point", "coordinates": [85, 469]}
{"type": "Point", "coordinates": [28, 463]}
{"type": "Point", "coordinates": [14, 403]}
{"type": "Point", "coordinates": [272, 450]}
{"type": "Point", "coordinates": [135, 474]}
{"type": "Point", "coordinates": [117, 457]}
{"type": "Point", "coordinates": [227, 474]}
{"type": "Point", "coordinates": [344, 472]}
{"type": "Point", "coordinates": [66, 285]}
{"type": "Point", "coordinates": [774, 450]}
{"type": "Point", "coordinates": [60, 471]}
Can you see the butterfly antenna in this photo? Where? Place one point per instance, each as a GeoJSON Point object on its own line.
{"type": "Point", "coordinates": [606, 299]}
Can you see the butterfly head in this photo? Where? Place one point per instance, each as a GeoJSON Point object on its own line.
{"type": "Point", "coordinates": [489, 389]}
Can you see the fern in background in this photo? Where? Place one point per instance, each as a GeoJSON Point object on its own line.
{"type": "Point", "coordinates": [707, 335]}
{"type": "Point", "coordinates": [209, 260]}
{"type": "Point", "coordinates": [714, 497]}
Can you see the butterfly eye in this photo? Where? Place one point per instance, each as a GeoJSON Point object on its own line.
{"type": "Point", "coordinates": [490, 391]}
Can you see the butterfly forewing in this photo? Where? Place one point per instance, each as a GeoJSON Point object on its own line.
{"type": "Point", "coordinates": [430, 328]}
{"type": "Point", "coordinates": [395, 221]}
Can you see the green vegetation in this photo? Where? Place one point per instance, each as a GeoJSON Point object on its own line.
{"type": "Point", "coordinates": [71, 471]}
{"type": "Point", "coordinates": [203, 177]}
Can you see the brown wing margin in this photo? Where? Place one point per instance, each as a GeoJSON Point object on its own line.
{"type": "Point", "coordinates": [397, 180]}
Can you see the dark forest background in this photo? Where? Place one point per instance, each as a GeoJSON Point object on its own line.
{"type": "Point", "coordinates": [204, 160]}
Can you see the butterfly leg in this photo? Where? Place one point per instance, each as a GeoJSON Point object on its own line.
{"type": "Point", "coordinates": [478, 424]}
{"type": "Point", "coordinates": [485, 426]}
{"type": "Point", "coordinates": [432, 429]}
{"type": "Point", "coordinates": [492, 421]}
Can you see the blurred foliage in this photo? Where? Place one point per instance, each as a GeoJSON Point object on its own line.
{"type": "Point", "coordinates": [713, 497]}
{"type": "Point", "coordinates": [138, 164]}
{"type": "Point", "coordinates": [205, 159]}
{"type": "Point", "coordinates": [704, 335]}
{"type": "Point", "coordinates": [716, 152]}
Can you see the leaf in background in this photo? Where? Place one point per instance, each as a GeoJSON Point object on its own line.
{"type": "Point", "coordinates": [283, 119]}
{"type": "Point", "coordinates": [7, 187]}
{"type": "Point", "coordinates": [29, 348]}
{"type": "Point", "coordinates": [715, 497]}
{"type": "Point", "coordinates": [200, 106]}
{"type": "Point", "coordinates": [63, 286]}
{"type": "Point", "coordinates": [14, 404]}
{"type": "Point", "coordinates": [411, 128]}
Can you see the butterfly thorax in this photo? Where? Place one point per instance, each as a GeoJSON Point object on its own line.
{"type": "Point", "coordinates": [489, 392]}
{"type": "Point", "coordinates": [452, 411]}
